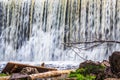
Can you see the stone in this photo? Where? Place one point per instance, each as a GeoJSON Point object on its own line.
{"type": "Point", "coordinates": [95, 68]}
{"type": "Point", "coordinates": [29, 70]}
{"type": "Point", "coordinates": [105, 63]}
{"type": "Point", "coordinates": [87, 63]}
{"type": "Point", "coordinates": [19, 76]}
{"type": "Point", "coordinates": [115, 62]}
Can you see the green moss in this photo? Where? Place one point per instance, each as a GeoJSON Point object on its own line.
{"type": "Point", "coordinates": [85, 72]}
{"type": "Point", "coordinates": [2, 74]}
{"type": "Point", "coordinates": [80, 74]}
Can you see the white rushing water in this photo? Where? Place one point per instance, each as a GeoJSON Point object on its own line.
{"type": "Point", "coordinates": [34, 30]}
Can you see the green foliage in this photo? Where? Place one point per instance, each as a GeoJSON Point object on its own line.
{"type": "Point", "coordinates": [2, 74]}
{"type": "Point", "coordinates": [86, 73]}
{"type": "Point", "coordinates": [80, 74]}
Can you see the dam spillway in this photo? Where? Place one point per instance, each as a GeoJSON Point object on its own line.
{"type": "Point", "coordinates": [34, 30]}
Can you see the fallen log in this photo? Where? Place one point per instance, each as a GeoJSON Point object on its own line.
{"type": "Point", "coordinates": [49, 74]}
{"type": "Point", "coordinates": [4, 78]}
{"type": "Point", "coordinates": [13, 67]}
{"type": "Point", "coordinates": [112, 79]}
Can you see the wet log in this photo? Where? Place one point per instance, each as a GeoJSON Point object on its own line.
{"type": "Point", "coordinates": [49, 74]}
{"type": "Point", "coordinates": [13, 67]}
{"type": "Point", "coordinates": [112, 79]}
{"type": "Point", "coordinates": [4, 78]}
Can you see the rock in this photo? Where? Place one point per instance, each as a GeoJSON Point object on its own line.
{"type": "Point", "coordinates": [105, 63]}
{"type": "Point", "coordinates": [19, 76]}
{"type": "Point", "coordinates": [107, 73]}
{"type": "Point", "coordinates": [29, 70]}
{"type": "Point", "coordinates": [43, 64]}
{"type": "Point", "coordinates": [87, 63]}
{"type": "Point", "coordinates": [95, 68]}
{"type": "Point", "coordinates": [115, 62]}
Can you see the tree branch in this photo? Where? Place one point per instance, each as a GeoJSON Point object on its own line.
{"type": "Point", "coordinates": [98, 41]}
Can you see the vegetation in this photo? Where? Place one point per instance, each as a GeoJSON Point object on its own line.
{"type": "Point", "coordinates": [80, 74]}
{"type": "Point", "coordinates": [87, 73]}
{"type": "Point", "coordinates": [2, 74]}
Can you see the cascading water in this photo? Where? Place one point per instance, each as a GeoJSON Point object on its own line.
{"type": "Point", "coordinates": [34, 30]}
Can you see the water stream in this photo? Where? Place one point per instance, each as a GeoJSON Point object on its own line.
{"type": "Point", "coordinates": [34, 30]}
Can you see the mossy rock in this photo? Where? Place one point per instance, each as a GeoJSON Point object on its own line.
{"type": "Point", "coordinates": [89, 70]}
{"type": "Point", "coordinates": [80, 74]}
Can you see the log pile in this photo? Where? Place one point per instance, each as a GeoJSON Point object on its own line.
{"type": "Point", "coordinates": [13, 67]}
{"type": "Point", "coordinates": [28, 72]}
{"type": "Point", "coordinates": [41, 75]}
{"type": "Point", "coordinates": [5, 78]}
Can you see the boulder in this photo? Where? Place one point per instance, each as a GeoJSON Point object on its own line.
{"type": "Point", "coordinates": [114, 60]}
{"type": "Point", "coordinates": [29, 70]}
{"type": "Point", "coordinates": [95, 68]}
{"type": "Point", "coordinates": [88, 63]}
{"type": "Point", "coordinates": [105, 63]}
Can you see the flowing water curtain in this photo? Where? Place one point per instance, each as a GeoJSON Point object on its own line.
{"type": "Point", "coordinates": [99, 20]}
{"type": "Point", "coordinates": [28, 24]}
{"type": "Point", "coordinates": [15, 27]}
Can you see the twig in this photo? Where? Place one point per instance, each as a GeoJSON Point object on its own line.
{"type": "Point", "coordinates": [93, 46]}
{"type": "Point", "coordinates": [98, 42]}
{"type": "Point", "coordinates": [78, 55]}
{"type": "Point", "coordinates": [75, 51]}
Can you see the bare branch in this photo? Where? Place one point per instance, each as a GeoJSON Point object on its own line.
{"type": "Point", "coordinates": [95, 44]}
{"type": "Point", "coordinates": [88, 42]}
{"type": "Point", "coordinates": [79, 55]}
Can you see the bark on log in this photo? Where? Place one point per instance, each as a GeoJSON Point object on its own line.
{"type": "Point", "coordinates": [43, 75]}
{"type": "Point", "coordinates": [5, 78]}
{"type": "Point", "coordinates": [13, 67]}
{"type": "Point", "coordinates": [49, 74]}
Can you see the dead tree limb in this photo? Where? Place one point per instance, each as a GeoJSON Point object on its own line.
{"type": "Point", "coordinates": [95, 44]}
{"type": "Point", "coordinates": [49, 74]}
{"type": "Point", "coordinates": [5, 78]}
{"type": "Point", "coordinates": [98, 41]}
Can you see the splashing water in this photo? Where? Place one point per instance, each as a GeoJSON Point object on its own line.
{"type": "Point", "coordinates": [34, 30]}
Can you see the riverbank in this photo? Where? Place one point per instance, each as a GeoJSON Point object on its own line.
{"type": "Point", "coordinates": [105, 70]}
{"type": "Point", "coordinates": [92, 70]}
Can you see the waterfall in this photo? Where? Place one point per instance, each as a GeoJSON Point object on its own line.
{"type": "Point", "coordinates": [34, 30]}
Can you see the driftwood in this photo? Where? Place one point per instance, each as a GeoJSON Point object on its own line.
{"type": "Point", "coordinates": [112, 79]}
{"type": "Point", "coordinates": [49, 74]}
{"type": "Point", "coordinates": [13, 67]}
{"type": "Point", "coordinates": [4, 78]}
